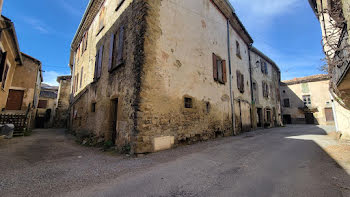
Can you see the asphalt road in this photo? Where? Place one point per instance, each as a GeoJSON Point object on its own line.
{"type": "Point", "coordinates": [275, 162]}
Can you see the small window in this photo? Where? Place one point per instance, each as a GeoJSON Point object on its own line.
{"type": "Point", "coordinates": [188, 103]}
{"type": "Point", "coordinates": [284, 91]}
{"type": "Point", "coordinates": [238, 50]}
{"type": "Point", "coordinates": [286, 103]}
{"type": "Point", "coordinates": [240, 81]}
{"type": "Point", "coordinates": [2, 63]}
{"type": "Point", "coordinates": [208, 107]}
{"type": "Point", "coordinates": [219, 69]}
{"type": "Point", "coordinates": [93, 107]}
{"type": "Point", "coordinates": [307, 100]}
{"type": "Point", "coordinates": [254, 86]}
{"type": "Point", "coordinates": [42, 104]}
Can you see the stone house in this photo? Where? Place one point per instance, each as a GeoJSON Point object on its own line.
{"type": "Point", "coordinates": [305, 101]}
{"type": "Point", "coordinates": [152, 74]}
{"type": "Point", "coordinates": [46, 106]}
{"type": "Point", "coordinates": [10, 58]}
{"type": "Point", "coordinates": [334, 16]}
{"type": "Point", "coordinates": [63, 98]}
{"type": "Point", "coordinates": [266, 77]}
{"type": "Point", "coordinates": [24, 91]}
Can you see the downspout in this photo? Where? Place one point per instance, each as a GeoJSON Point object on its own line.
{"type": "Point", "coordinates": [251, 87]}
{"type": "Point", "coordinates": [230, 76]}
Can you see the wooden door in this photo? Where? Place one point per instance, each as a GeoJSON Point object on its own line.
{"type": "Point", "coordinates": [15, 100]}
{"type": "Point", "coordinates": [114, 120]}
{"type": "Point", "coordinates": [329, 114]}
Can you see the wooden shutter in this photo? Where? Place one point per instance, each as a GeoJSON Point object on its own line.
{"type": "Point", "coordinates": [5, 76]}
{"type": "Point", "coordinates": [2, 64]}
{"type": "Point", "coordinates": [238, 76]}
{"type": "Point", "coordinates": [120, 45]}
{"type": "Point", "coordinates": [111, 49]}
{"type": "Point", "coordinates": [215, 67]}
{"type": "Point", "coordinates": [266, 70]}
{"type": "Point", "coordinates": [96, 66]}
{"type": "Point", "coordinates": [100, 59]}
{"type": "Point", "coordinates": [224, 71]}
{"type": "Point", "coordinates": [242, 83]}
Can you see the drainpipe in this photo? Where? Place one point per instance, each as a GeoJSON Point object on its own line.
{"type": "Point", "coordinates": [334, 113]}
{"type": "Point", "coordinates": [230, 71]}
{"type": "Point", "coordinates": [251, 87]}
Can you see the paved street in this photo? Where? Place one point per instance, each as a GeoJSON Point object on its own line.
{"type": "Point", "coordinates": [294, 161]}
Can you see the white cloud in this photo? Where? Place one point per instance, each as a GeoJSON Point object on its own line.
{"type": "Point", "coordinates": [37, 24]}
{"type": "Point", "coordinates": [50, 77]}
{"type": "Point", "coordinates": [263, 12]}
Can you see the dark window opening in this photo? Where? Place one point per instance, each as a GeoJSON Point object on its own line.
{"type": "Point", "coordinates": [208, 107]}
{"type": "Point", "coordinates": [93, 107]}
{"type": "Point", "coordinates": [188, 103]}
{"type": "Point", "coordinates": [238, 50]}
{"type": "Point", "coordinates": [286, 103]}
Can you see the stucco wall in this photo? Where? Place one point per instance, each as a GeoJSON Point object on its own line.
{"type": "Point", "coordinates": [320, 99]}
{"type": "Point", "coordinates": [7, 45]}
{"type": "Point", "coordinates": [182, 35]}
{"type": "Point", "coordinates": [25, 78]}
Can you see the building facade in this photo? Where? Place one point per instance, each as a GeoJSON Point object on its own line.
{"type": "Point", "coordinates": [63, 98]}
{"type": "Point", "coordinates": [334, 16]}
{"type": "Point", "coordinates": [46, 106]}
{"type": "Point", "coordinates": [149, 83]}
{"type": "Point", "coordinates": [10, 58]}
{"type": "Point", "coordinates": [304, 102]}
{"type": "Point", "coordinates": [266, 77]}
{"type": "Point", "coordinates": [24, 91]}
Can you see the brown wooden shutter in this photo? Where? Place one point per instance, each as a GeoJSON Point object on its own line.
{"type": "Point", "coordinates": [2, 64]}
{"type": "Point", "coordinates": [100, 60]}
{"type": "Point", "coordinates": [215, 67]}
{"type": "Point", "coordinates": [224, 71]}
{"type": "Point", "coordinates": [111, 49]}
{"type": "Point", "coordinates": [120, 45]}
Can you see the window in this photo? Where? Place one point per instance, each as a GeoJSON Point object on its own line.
{"type": "Point", "coordinates": [116, 49]}
{"type": "Point", "coordinates": [98, 64]}
{"type": "Point", "coordinates": [119, 3]}
{"type": "Point", "coordinates": [81, 76]}
{"type": "Point", "coordinates": [101, 21]}
{"type": "Point", "coordinates": [2, 63]}
{"type": "Point", "coordinates": [240, 81]}
{"type": "Point", "coordinates": [42, 104]}
{"type": "Point", "coordinates": [188, 103]}
{"type": "Point", "coordinates": [286, 103]}
{"type": "Point", "coordinates": [265, 88]}
{"type": "Point", "coordinates": [4, 77]}
{"type": "Point", "coordinates": [219, 69]}
{"type": "Point", "coordinates": [93, 107]}
{"type": "Point", "coordinates": [307, 100]}
{"type": "Point", "coordinates": [264, 68]}
{"type": "Point", "coordinates": [84, 43]}
{"type": "Point", "coordinates": [238, 50]}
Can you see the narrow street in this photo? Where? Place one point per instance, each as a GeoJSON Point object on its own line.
{"type": "Point", "coordinates": [293, 161]}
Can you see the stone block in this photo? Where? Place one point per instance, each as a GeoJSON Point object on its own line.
{"type": "Point", "coordinates": [163, 143]}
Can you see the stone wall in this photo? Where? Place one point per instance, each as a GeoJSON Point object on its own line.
{"type": "Point", "coordinates": [272, 102]}
{"type": "Point", "coordinates": [115, 90]}
{"type": "Point", "coordinates": [63, 102]}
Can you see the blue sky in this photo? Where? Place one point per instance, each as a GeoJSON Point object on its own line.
{"type": "Point", "coordinates": [285, 30]}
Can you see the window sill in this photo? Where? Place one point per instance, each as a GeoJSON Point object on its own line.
{"type": "Point", "coordinates": [239, 56]}
{"type": "Point", "coordinates": [117, 66]}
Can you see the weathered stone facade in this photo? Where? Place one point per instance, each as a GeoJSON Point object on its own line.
{"type": "Point", "coordinates": [266, 100]}
{"type": "Point", "coordinates": [62, 109]}
{"type": "Point", "coordinates": [176, 82]}
{"type": "Point", "coordinates": [307, 96]}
